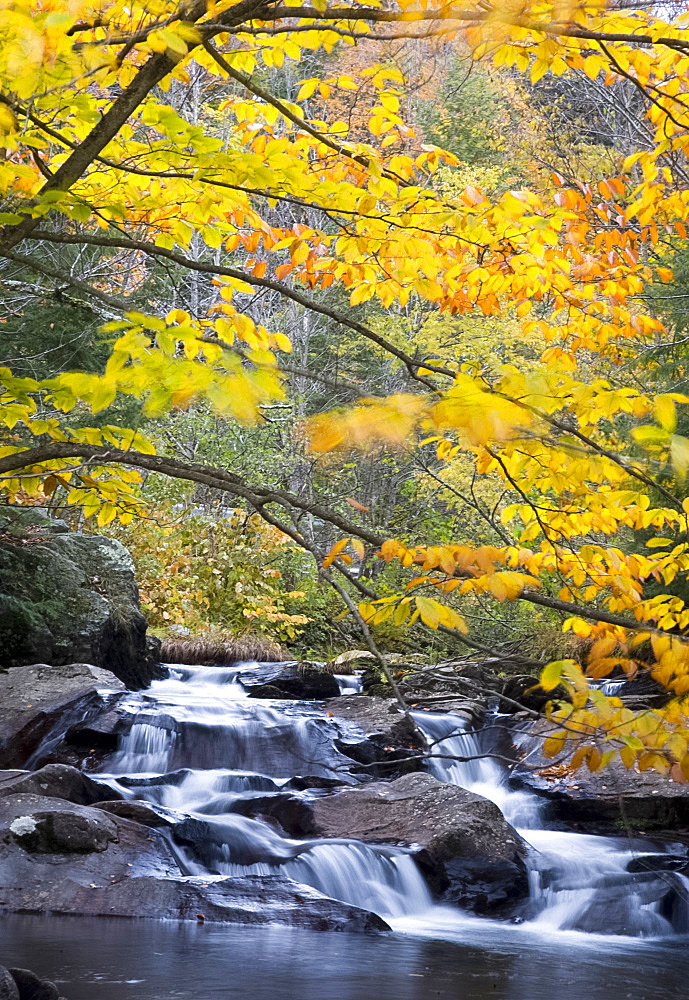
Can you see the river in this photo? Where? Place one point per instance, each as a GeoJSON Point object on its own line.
{"type": "Point", "coordinates": [199, 746]}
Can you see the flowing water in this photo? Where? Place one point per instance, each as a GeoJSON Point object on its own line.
{"type": "Point", "coordinates": [199, 749]}
{"type": "Point", "coordinates": [579, 882]}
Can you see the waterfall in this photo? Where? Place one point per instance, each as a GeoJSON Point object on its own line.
{"type": "Point", "coordinates": [226, 747]}
{"type": "Point", "coordinates": [578, 881]}
{"type": "Point", "coordinates": [203, 753]}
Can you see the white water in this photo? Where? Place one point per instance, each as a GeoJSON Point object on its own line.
{"type": "Point", "coordinates": [200, 748]}
{"type": "Point", "coordinates": [578, 881]}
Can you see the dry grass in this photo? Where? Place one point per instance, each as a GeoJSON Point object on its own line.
{"type": "Point", "coordinates": [213, 651]}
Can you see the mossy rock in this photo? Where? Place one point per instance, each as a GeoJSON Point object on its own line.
{"type": "Point", "coordinates": [68, 598]}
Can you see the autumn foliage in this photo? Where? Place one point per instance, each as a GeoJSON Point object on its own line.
{"type": "Point", "coordinates": [98, 155]}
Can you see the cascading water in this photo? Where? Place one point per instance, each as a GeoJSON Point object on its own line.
{"type": "Point", "coordinates": [578, 881]}
{"type": "Point", "coordinates": [201, 750]}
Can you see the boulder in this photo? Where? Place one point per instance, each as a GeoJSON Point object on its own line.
{"type": "Point", "coordinates": [69, 597]}
{"type": "Point", "coordinates": [138, 812]}
{"type": "Point", "coordinates": [468, 852]}
{"type": "Point", "coordinates": [52, 826]}
{"type": "Point", "coordinates": [612, 800]}
{"type": "Point", "coordinates": [249, 899]}
{"type": "Point", "coordinates": [301, 681]}
{"type": "Point", "coordinates": [8, 987]}
{"type": "Point", "coordinates": [39, 702]}
{"type": "Point", "coordinates": [32, 988]}
{"type": "Point", "coordinates": [377, 736]}
{"type": "Point", "coordinates": [103, 864]}
{"type": "Point", "coordinates": [47, 841]}
{"type": "Point", "coordinates": [56, 781]}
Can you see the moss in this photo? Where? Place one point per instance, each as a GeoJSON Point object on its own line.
{"type": "Point", "coordinates": [73, 599]}
{"type": "Point", "coordinates": [19, 620]}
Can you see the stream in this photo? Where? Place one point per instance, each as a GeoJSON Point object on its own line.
{"type": "Point", "coordinates": [201, 749]}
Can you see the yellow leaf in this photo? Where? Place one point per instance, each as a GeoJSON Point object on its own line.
{"type": "Point", "coordinates": [334, 552]}
{"type": "Point", "coordinates": [554, 744]}
{"type": "Point", "coordinates": [664, 408]}
{"type": "Point", "coordinates": [429, 611]}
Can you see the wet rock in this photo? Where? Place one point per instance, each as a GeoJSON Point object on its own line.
{"type": "Point", "coordinates": [468, 852]}
{"type": "Point", "coordinates": [138, 812]}
{"type": "Point", "coordinates": [41, 825]}
{"type": "Point", "coordinates": [452, 679]}
{"type": "Point", "coordinates": [302, 782]}
{"type": "Point", "coordinates": [659, 863]}
{"type": "Point", "coordinates": [378, 736]}
{"type": "Point", "coordinates": [102, 733]}
{"type": "Point", "coordinates": [88, 746]}
{"type": "Point", "coordinates": [301, 681]}
{"type": "Point", "coordinates": [39, 703]}
{"type": "Point", "coordinates": [31, 987]}
{"type": "Point", "coordinates": [526, 690]}
{"type": "Point", "coordinates": [207, 841]}
{"type": "Point", "coordinates": [56, 781]}
{"type": "Point", "coordinates": [45, 842]}
{"type": "Point", "coordinates": [72, 598]}
{"type": "Point", "coordinates": [613, 799]}
{"type": "Point", "coordinates": [292, 813]}
{"type": "Point", "coordinates": [250, 899]}
{"type": "Point", "coordinates": [8, 987]}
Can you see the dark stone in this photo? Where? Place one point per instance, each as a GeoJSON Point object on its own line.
{"type": "Point", "coordinates": [485, 886]}
{"type": "Point", "coordinates": [304, 682]}
{"type": "Point", "coordinates": [302, 782]}
{"type": "Point", "coordinates": [72, 598]}
{"type": "Point", "coordinates": [378, 736]}
{"type": "Point", "coordinates": [57, 781]}
{"type": "Point", "coordinates": [32, 988]}
{"type": "Point", "coordinates": [465, 845]}
{"type": "Point", "coordinates": [62, 831]}
{"type": "Point", "coordinates": [102, 733]}
{"type": "Point", "coordinates": [39, 702]}
{"type": "Point", "coordinates": [8, 987]}
{"type": "Point", "coordinates": [171, 778]}
{"type": "Point", "coordinates": [610, 800]}
{"type": "Point", "coordinates": [138, 812]}
{"type": "Point", "coordinates": [658, 863]}
{"type": "Point", "coordinates": [34, 882]}
{"type": "Point", "coordinates": [249, 899]}
{"type": "Point", "coordinates": [527, 691]}
{"type": "Point", "coordinates": [291, 812]}
{"type": "Point", "coordinates": [207, 841]}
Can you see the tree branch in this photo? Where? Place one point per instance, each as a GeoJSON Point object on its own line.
{"type": "Point", "coordinates": [229, 482]}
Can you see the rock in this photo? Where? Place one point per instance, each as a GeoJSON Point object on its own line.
{"type": "Point", "coordinates": [51, 826]}
{"type": "Point", "coordinates": [72, 598]}
{"type": "Point", "coordinates": [468, 852]}
{"type": "Point", "coordinates": [526, 690]}
{"type": "Point", "coordinates": [56, 781]}
{"type": "Point", "coordinates": [659, 863]}
{"type": "Point", "coordinates": [88, 746]}
{"type": "Point", "coordinates": [139, 812]}
{"type": "Point", "coordinates": [32, 988]}
{"type": "Point", "coordinates": [136, 875]}
{"type": "Point", "coordinates": [302, 681]}
{"type": "Point", "coordinates": [302, 782]}
{"type": "Point", "coordinates": [45, 840]}
{"type": "Point", "coordinates": [39, 702]}
{"type": "Point", "coordinates": [8, 987]}
{"type": "Point", "coordinates": [290, 811]}
{"type": "Point", "coordinates": [613, 799]}
{"type": "Point", "coordinates": [249, 899]}
{"type": "Point", "coordinates": [378, 736]}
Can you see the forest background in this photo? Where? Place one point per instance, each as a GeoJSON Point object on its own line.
{"type": "Point", "coordinates": [493, 197]}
